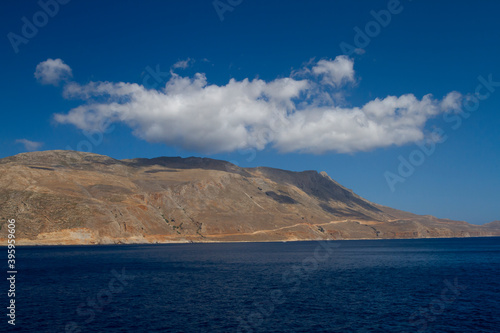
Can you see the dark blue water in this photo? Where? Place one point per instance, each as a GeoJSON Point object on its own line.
{"type": "Point", "coordinates": [433, 285]}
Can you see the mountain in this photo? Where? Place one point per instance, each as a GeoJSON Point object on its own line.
{"type": "Point", "coordinates": [494, 224]}
{"type": "Point", "coordinates": [68, 197]}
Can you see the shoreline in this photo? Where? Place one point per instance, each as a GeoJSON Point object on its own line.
{"type": "Point", "coordinates": [235, 242]}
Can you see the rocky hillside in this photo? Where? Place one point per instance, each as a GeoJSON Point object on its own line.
{"type": "Point", "coordinates": [67, 197]}
{"type": "Point", "coordinates": [494, 224]}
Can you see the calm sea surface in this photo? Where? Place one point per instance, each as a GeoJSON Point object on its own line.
{"type": "Point", "coordinates": [432, 285]}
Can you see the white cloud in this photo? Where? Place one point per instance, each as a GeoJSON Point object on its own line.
{"type": "Point", "coordinates": [379, 123]}
{"type": "Point", "coordinates": [30, 145]}
{"type": "Point", "coordinates": [183, 64]}
{"type": "Point", "coordinates": [52, 71]}
{"type": "Point", "coordinates": [335, 72]}
{"type": "Point", "coordinates": [452, 101]}
{"type": "Point", "coordinates": [286, 113]}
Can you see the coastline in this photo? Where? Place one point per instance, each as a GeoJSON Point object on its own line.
{"type": "Point", "coordinates": [29, 244]}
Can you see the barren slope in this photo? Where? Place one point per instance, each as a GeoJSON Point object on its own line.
{"type": "Point", "coordinates": [66, 197]}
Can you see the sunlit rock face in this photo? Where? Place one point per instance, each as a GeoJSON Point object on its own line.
{"type": "Point", "coordinates": [67, 197]}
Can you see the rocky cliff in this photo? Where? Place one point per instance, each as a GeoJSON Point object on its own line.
{"type": "Point", "coordinates": [67, 197]}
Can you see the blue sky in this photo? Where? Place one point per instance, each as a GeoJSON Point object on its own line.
{"type": "Point", "coordinates": [269, 85]}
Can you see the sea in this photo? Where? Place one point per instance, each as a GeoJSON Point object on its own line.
{"type": "Point", "coordinates": [414, 285]}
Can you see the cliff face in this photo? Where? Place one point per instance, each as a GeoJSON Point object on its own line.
{"type": "Point", "coordinates": [66, 197]}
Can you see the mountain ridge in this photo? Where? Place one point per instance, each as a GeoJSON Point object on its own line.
{"type": "Point", "coordinates": [69, 197]}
